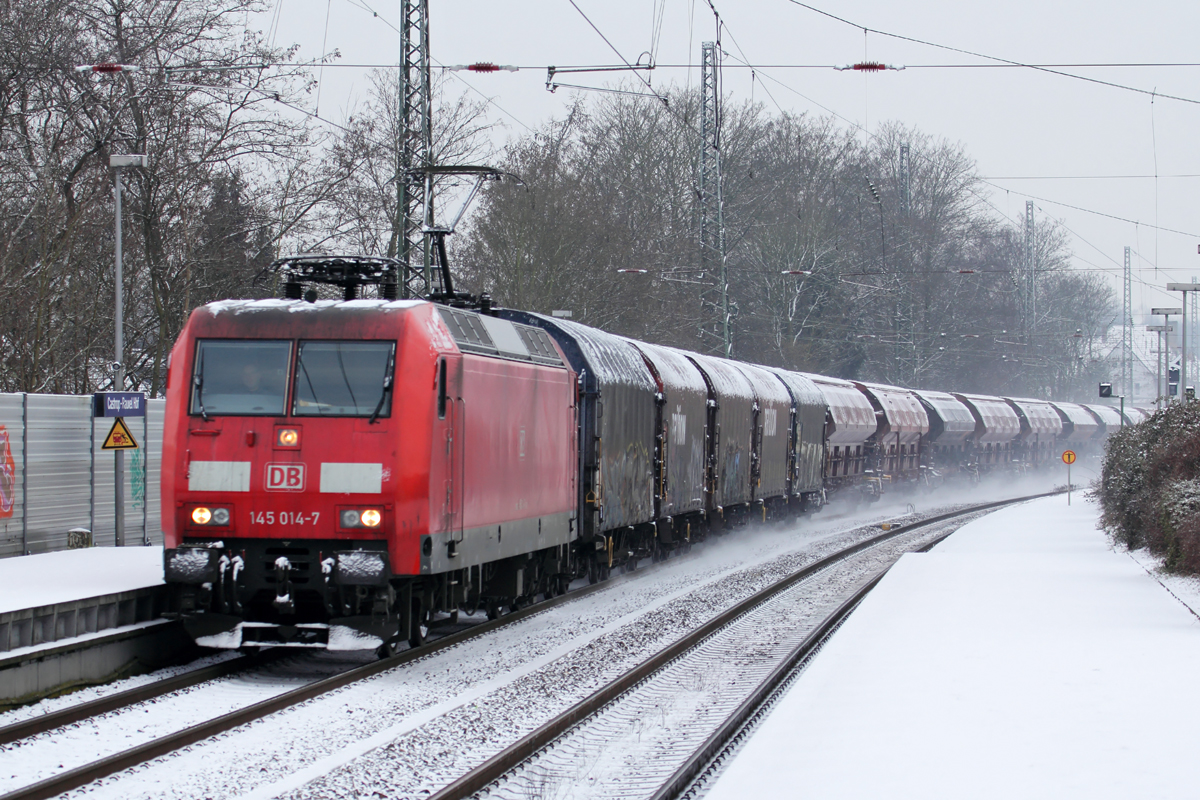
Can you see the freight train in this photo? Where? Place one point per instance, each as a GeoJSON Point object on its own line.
{"type": "Point", "coordinates": [335, 473]}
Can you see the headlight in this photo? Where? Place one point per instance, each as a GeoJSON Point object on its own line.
{"type": "Point", "coordinates": [202, 515]}
{"type": "Point", "coordinates": [360, 518]}
{"type": "Point", "coordinates": [287, 437]}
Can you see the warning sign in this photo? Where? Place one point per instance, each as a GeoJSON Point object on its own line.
{"type": "Point", "coordinates": [1069, 456]}
{"type": "Point", "coordinates": [119, 438]}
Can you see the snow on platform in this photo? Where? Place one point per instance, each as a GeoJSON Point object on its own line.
{"type": "Point", "coordinates": [64, 576]}
{"type": "Point", "coordinates": [1023, 657]}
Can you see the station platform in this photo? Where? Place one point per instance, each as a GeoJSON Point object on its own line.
{"type": "Point", "coordinates": [64, 576]}
{"type": "Point", "coordinates": [1022, 657]}
{"type": "Point", "coordinates": [74, 617]}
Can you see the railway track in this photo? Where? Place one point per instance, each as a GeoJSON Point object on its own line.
{"type": "Point", "coordinates": [53, 720]}
{"type": "Point", "coordinates": [567, 747]}
{"type": "Point", "coordinates": [89, 773]}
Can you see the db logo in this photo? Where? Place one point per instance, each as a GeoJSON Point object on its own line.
{"type": "Point", "coordinates": [285, 477]}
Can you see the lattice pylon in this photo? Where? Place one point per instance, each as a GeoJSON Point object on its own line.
{"type": "Point", "coordinates": [414, 193]}
{"type": "Point", "coordinates": [712, 211]}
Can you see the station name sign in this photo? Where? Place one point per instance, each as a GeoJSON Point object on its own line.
{"type": "Point", "coordinates": [119, 404]}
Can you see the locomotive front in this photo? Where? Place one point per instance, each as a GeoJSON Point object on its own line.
{"type": "Point", "coordinates": [285, 503]}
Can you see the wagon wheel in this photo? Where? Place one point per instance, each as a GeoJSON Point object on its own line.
{"type": "Point", "coordinates": [420, 624]}
{"type": "Point", "coordinates": [391, 645]}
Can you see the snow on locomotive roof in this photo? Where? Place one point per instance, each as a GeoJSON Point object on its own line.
{"type": "Point", "coordinates": [955, 416]}
{"type": "Point", "coordinates": [270, 304]}
{"type": "Point", "coordinates": [480, 333]}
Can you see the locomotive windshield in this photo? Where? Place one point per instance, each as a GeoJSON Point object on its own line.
{"type": "Point", "coordinates": [344, 379]}
{"type": "Point", "coordinates": [240, 377]}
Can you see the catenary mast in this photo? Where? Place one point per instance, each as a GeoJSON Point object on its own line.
{"type": "Point", "coordinates": [414, 183]}
{"type": "Point", "coordinates": [712, 201]}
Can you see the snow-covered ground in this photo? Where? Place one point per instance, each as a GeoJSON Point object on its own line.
{"type": "Point", "coordinates": [60, 577]}
{"type": "Point", "coordinates": [1023, 657]}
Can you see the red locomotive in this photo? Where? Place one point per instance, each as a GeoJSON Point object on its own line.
{"type": "Point", "coordinates": [334, 472]}
{"type": "Point", "coordinates": [337, 472]}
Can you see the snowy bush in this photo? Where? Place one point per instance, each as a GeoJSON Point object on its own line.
{"type": "Point", "coordinates": [1149, 487]}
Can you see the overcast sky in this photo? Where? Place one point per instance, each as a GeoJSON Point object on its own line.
{"type": "Point", "coordinates": [1015, 122]}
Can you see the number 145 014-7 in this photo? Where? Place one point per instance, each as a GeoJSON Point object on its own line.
{"type": "Point", "coordinates": [283, 518]}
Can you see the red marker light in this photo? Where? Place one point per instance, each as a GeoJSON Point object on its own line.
{"type": "Point", "coordinates": [869, 66]}
{"type": "Point", "coordinates": [482, 66]}
{"type": "Point", "coordinates": [107, 68]}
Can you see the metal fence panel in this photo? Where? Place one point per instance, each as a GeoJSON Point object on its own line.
{"type": "Point", "coordinates": [54, 476]}
{"type": "Point", "coordinates": [59, 469]}
{"type": "Point", "coordinates": [12, 500]}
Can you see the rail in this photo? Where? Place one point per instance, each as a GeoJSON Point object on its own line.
{"type": "Point", "coordinates": [515, 754]}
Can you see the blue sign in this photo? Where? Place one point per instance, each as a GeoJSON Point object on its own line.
{"type": "Point", "coordinates": [119, 404]}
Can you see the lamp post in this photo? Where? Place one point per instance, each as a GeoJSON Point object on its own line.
{"type": "Point", "coordinates": [117, 163]}
{"type": "Point", "coordinates": [1183, 334]}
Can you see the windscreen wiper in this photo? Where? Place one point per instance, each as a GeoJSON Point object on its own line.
{"type": "Point", "coordinates": [198, 381]}
{"type": "Point", "coordinates": [387, 388]}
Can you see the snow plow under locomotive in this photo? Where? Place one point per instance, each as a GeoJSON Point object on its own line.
{"type": "Point", "coordinates": [337, 472]}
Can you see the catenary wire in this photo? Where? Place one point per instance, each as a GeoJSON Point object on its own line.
{"type": "Point", "coordinates": [1004, 61]}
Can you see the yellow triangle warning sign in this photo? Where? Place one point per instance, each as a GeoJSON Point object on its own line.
{"type": "Point", "coordinates": [119, 438]}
